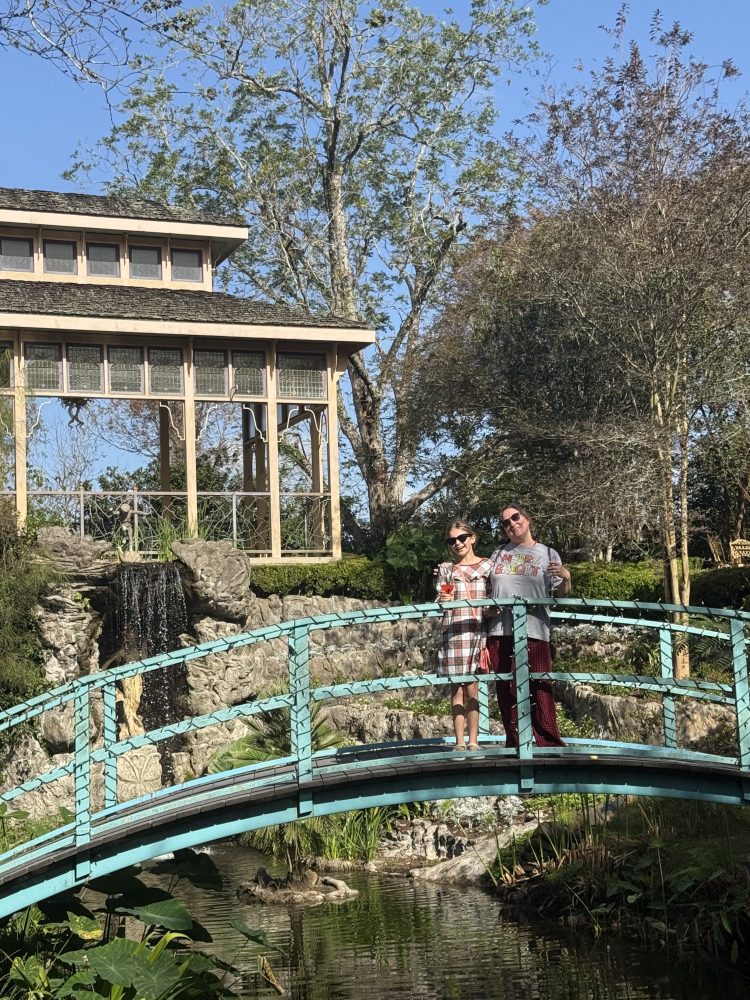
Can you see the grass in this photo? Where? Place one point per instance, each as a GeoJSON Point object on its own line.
{"type": "Point", "coordinates": [675, 874]}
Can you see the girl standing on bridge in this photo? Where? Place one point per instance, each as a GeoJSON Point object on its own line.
{"type": "Point", "coordinates": [462, 634]}
{"type": "Point", "coordinates": [524, 568]}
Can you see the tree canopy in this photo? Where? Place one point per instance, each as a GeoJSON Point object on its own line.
{"type": "Point", "coordinates": [613, 310]}
{"type": "Point", "coordinates": [357, 140]}
{"type": "Point", "coordinates": [89, 40]}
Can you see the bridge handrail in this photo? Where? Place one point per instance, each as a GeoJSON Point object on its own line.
{"type": "Point", "coordinates": [56, 697]}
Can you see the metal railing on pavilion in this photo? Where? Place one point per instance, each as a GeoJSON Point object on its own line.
{"type": "Point", "coordinates": [145, 521]}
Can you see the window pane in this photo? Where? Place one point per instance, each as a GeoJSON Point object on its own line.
{"type": "Point", "coordinates": [166, 370]}
{"type": "Point", "coordinates": [125, 369]}
{"type": "Point", "coordinates": [84, 368]}
{"type": "Point", "coordinates": [16, 254]}
{"type": "Point", "coordinates": [60, 257]}
{"type": "Point", "coordinates": [43, 366]}
{"type": "Point", "coordinates": [187, 265]}
{"type": "Point", "coordinates": [302, 376]}
{"type": "Point", "coordinates": [210, 373]}
{"type": "Point", "coordinates": [103, 259]}
{"type": "Point", "coordinates": [145, 262]}
{"type": "Point", "coordinates": [249, 373]}
{"type": "Point", "coordinates": [6, 364]}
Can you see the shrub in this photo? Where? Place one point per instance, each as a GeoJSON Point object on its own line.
{"type": "Point", "coordinates": [410, 556]}
{"type": "Point", "coordinates": [353, 576]}
{"type": "Point", "coordinates": [23, 580]}
{"type": "Point", "coordinates": [722, 588]}
{"type": "Point", "coordinates": [617, 581]}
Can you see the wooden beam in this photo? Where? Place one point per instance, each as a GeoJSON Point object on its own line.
{"type": "Point", "coordinates": [191, 472]}
{"type": "Point", "coordinates": [274, 480]}
{"type": "Point", "coordinates": [333, 452]}
{"type": "Point", "coordinates": [20, 433]}
{"type": "Point", "coordinates": [317, 462]}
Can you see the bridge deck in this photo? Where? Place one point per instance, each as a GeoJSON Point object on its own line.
{"type": "Point", "coordinates": [229, 803]}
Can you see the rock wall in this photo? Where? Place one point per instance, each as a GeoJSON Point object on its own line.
{"type": "Point", "coordinates": [337, 656]}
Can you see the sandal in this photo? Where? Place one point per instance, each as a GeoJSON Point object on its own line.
{"type": "Point", "coordinates": [460, 748]}
{"type": "Point", "coordinates": [473, 746]}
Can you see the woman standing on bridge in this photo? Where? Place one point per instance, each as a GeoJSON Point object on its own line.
{"type": "Point", "coordinates": [462, 634]}
{"type": "Point", "coordinates": [523, 567]}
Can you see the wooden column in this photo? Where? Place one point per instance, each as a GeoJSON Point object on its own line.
{"type": "Point", "coordinates": [336, 366]}
{"type": "Point", "coordinates": [20, 433]}
{"type": "Point", "coordinates": [191, 475]}
{"type": "Point", "coordinates": [274, 480]}
{"type": "Point", "coordinates": [317, 462]}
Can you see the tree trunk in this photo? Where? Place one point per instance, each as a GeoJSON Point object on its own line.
{"type": "Point", "coordinates": [682, 651]}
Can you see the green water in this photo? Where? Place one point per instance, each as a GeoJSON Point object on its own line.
{"type": "Point", "coordinates": [403, 938]}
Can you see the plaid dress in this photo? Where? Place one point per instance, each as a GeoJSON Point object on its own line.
{"type": "Point", "coordinates": [462, 631]}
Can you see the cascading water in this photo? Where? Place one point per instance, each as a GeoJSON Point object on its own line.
{"type": "Point", "coordinates": [148, 616]}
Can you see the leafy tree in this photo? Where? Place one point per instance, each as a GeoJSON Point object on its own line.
{"type": "Point", "coordinates": [357, 141]}
{"type": "Point", "coordinates": [624, 299]}
{"type": "Point", "coordinates": [720, 473]}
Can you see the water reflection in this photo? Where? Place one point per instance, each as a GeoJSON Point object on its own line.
{"type": "Point", "coordinates": [403, 939]}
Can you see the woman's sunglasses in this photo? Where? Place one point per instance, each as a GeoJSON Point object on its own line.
{"type": "Point", "coordinates": [456, 539]}
{"type": "Point", "coordinates": [507, 521]}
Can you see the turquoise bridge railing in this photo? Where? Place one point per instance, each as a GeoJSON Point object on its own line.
{"type": "Point", "coordinates": [102, 833]}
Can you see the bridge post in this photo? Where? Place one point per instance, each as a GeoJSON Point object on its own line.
{"type": "Point", "coordinates": [483, 697]}
{"type": "Point", "coordinates": [741, 690]}
{"type": "Point", "coordinates": [523, 688]}
{"type": "Point", "coordinates": [109, 735]}
{"type": "Point", "coordinates": [299, 689]}
{"type": "Point", "coordinates": [81, 782]}
{"type": "Point", "coordinates": [668, 703]}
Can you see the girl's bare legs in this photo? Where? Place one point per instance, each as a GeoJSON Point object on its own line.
{"type": "Point", "coordinates": [465, 707]}
{"type": "Point", "coordinates": [471, 704]}
{"type": "Point", "coordinates": [459, 713]}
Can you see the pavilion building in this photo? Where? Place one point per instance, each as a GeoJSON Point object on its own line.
{"type": "Point", "coordinates": [109, 298]}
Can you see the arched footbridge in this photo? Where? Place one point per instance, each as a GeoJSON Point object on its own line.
{"type": "Point", "coordinates": [100, 833]}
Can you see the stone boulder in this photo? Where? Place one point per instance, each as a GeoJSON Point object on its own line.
{"type": "Point", "coordinates": [69, 629]}
{"type": "Point", "coordinates": [218, 578]}
{"type": "Point", "coordinates": [138, 773]}
{"type": "Point", "coordinates": [310, 889]}
{"type": "Point", "coordinates": [82, 560]}
{"type": "Point", "coordinates": [641, 720]}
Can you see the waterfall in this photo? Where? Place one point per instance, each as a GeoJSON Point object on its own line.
{"type": "Point", "coordinates": [148, 608]}
{"type": "Point", "coordinates": [148, 616]}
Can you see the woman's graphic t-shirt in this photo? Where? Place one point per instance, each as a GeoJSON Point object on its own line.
{"type": "Point", "coordinates": [518, 571]}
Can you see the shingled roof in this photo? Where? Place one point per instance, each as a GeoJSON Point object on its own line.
{"type": "Point", "coordinates": [71, 203]}
{"type": "Point", "coordinates": [169, 305]}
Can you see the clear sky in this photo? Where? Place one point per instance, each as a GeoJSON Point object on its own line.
{"type": "Point", "coordinates": [45, 115]}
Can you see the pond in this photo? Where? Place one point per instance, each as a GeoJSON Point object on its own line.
{"type": "Point", "coordinates": [403, 939]}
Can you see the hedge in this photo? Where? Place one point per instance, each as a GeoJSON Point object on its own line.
{"type": "Point", "coordinates": [712, 588]}
{"type": "Point", "coordinates": [353, 576]}
{"type": "Point", "coordinates": [617, 581]}
{"type": "Point", "coordinates": [722, 588]}
{"type": "Point", "coordinates": [357, 576]}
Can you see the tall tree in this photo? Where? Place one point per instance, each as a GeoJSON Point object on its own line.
{"type": "Point", "coordinates": [356, 138]}
{"type": "Point", "coordinates": [634, 246]}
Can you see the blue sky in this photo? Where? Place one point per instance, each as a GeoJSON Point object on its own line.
{"type": "Point", "coordinates": [47, 114]}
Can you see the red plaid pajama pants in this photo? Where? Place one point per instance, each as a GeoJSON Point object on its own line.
{"type": "Point", "coordinates": [543, 709]}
